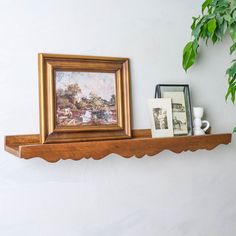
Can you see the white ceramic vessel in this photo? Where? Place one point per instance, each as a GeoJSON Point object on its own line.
{"type": "Point", "coordinates": [198, 122]}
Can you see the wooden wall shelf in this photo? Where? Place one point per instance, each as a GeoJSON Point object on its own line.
{"type": "Point", "coordinates": [28, 146]}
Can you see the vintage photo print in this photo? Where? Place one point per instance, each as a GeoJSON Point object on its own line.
{"type": "Point", "coordinates": [161, 117]}
{"type": "Point", "coordinates": [178, 112]}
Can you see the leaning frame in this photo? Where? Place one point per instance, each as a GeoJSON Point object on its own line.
{"type": "Point", "coordinates": [48, 63]}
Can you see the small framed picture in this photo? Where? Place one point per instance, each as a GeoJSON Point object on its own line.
{"type": "Point", "coordinates": [181, 106]}
{"type": "Point", "coordinates": [161, 117]}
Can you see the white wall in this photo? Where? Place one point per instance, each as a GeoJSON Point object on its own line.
{"type": "Point", "coordinates": [191, 194]}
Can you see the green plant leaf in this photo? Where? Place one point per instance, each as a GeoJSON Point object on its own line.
{"type": "Point", "coordinates": [222, 6]}
{"type": "Point", "coordinates": [194, 22]}
{"type": "Point", "coordinates": [230, 92]}
{"type": "Point", "coordinates": [227, 18]}
{"type": "Point", "coordinates": [234, 131]}
{"type": "Point", "coordinates": [197, 32]}
{"type": "Point", "coordinates": [233, 13]}
{"type": "Point", "coordinates": [214, 38]}
{"type": "Point", "coordinates": [232, 48]}
{"type": "Point", "coordinates": [221, 30]}
{"type": "Point", "coordinates": [231, 72]}
{"type": "Point", "coordinates": [206, 4]}
{"type": "Point", "coordinates": [189, 54]}
{"type": "Point", "coordinates": [211, 26]}
{"type": "Point", "coordinates": [233, 31]}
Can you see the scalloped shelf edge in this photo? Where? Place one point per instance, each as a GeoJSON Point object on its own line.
{"type": "Point", "coordinates": [28, 146]}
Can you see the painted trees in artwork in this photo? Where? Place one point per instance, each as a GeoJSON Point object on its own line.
{"type": "Point", "coordinates": [66, 98]}
{"type": "Point", "coordinates": [72, 91]}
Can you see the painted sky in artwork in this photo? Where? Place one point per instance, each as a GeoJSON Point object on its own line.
{"type": "Point", "coordinates": [102, 84]}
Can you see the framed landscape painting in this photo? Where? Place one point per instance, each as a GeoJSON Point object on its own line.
{"type": "Point", "coordinates": [83, 98]}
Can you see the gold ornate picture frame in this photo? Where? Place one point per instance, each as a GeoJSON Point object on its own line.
{"type": "Point", "coordinates": [83, 98]}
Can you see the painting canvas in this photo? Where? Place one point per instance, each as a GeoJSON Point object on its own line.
{"type": "Point", "coordinates": [85, 98]}
{"type": "Point", "coordinates": [178, 111]}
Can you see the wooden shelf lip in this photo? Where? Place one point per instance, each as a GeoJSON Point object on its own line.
{"type": "Point", "coordinates": [28, 146]}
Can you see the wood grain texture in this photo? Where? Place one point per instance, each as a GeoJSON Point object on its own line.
{"type": "Point", "coordinates": [28, 146]}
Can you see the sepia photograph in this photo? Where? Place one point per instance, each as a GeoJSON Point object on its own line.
{"type": "Point", "coordinates": [160, 118]}
{"type": "Point", "coordinates": [178, 112]}
{"type": "Point", "coordinates": [160, 114]}
{"type": "Point", "coordinates": [85, 98]}
{"type": "Point", "coordinates": [179, 122]}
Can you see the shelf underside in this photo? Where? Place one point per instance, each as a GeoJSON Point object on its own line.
{"type": "Point", "coordinates": [28, 146]}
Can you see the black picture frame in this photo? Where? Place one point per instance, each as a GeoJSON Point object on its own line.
{"type": "Point", "coordinates": [161, 90]}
